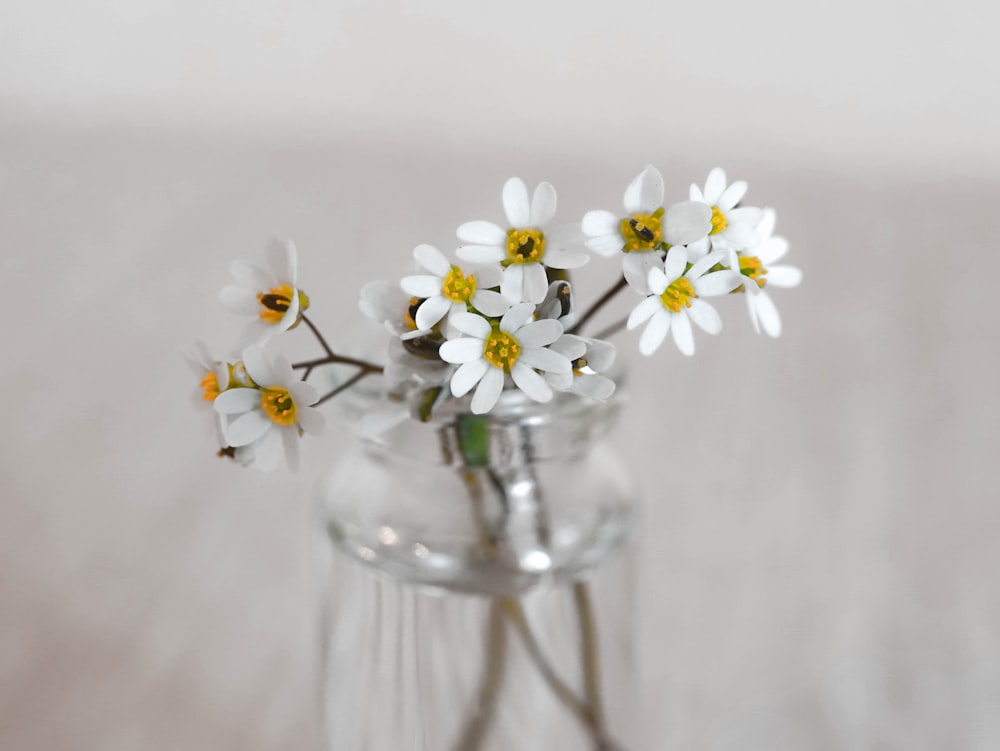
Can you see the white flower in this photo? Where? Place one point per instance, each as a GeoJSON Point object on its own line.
{"type": "Point", "coordinates": [516, 346]}
{"type": "Point", "coordinates": [558, 304]}
{"type": "Point", "coordinates": [272, 414]}
{"type": "Point", "coordinates": [642, 234]}
{"type": "Point", "coordinates": [731, 227]}
{"type": "Point", "coordinates": [757, 270]}
{"type": "Point", "coordinates": [588, 358]}
{"type": "Point", "coordinates": [524, 249]}
{"type": "Point", "coordinates": [271, 296]}
{"type": "Point", "coordinates": [676, 300]}
{"type": "Point", "coordinates": [387, 305]}
{"type": "Point", "coordinates": [448, 290]}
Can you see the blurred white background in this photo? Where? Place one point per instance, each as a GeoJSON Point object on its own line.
{"type": "Point", "coordinates": [820, 551]}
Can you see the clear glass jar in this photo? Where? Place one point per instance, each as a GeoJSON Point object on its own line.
{"type": "Point", "coordinates": [477, 601]}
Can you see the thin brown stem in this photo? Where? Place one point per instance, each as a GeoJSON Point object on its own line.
{"type": "Point", "coordinates": [341, 360]}
{"type": "Point", "coordinates": [489, 689]}
{"type": "Point", "coordinates": [614, 328]}
{"type": "Point", "coordinates": [588, 651]}
{"type": "Point", "coordinates": [343, 387]}
{"type": "Point", "coordinates": [319, 336]}
{"type": "Point", "coordinates": [601, 302]}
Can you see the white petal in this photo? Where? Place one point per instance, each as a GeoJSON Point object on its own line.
{"type": "Point", "coordinates": [247, 428]}
{"type": "Point", "coordinates": [482, 233]}
{"type": "Point", "coordinates": [739, 236]}
{"type": "Point", "coordinates": [771, 249]}
{"type": "Point", "coordinates": [488, 391]}
{"type": "Point", "coordinates": [283, 260]}
{"type": "Point", "coordinates": [714, 185]}
{"type": "Point", "coordinates": [543, 204]}
{"type": "Point", "coordinates": [699, 267]}
{"type": "Point", "coordinates": [600, 223]}
{"type": "Point", "coordinates": [290, 439]}
{"type": "Point", "coordinates": [303, 394]}
{"type": "Point", "coordinates": [269, 451]}
{"type": "Point", "coordinates": [421, 286]}
{"type": "Point", "coordinates": [471, 324]}
{"type": "Point", "coordinates": [311, 420]}
{"type": "Point", "coordinates": [676, 262]}
{"type": "Point", "coordinates": [433, 259]}
{"type": "Point", "coordinates": [545, 359]}
{"type": "Point", "coordinates": [657, 280]}
{"type": "Point", "coordinates": [490, 303]}
{"type": "Point", "coordinates": [237, 401]}
{"type": "Point", "coordinates": [565, 259]}
{"type": "Point", "coordinates": [717, 283]}
{"type": "Point", "coordinates": [292, 313]}
{"type": "Point", "coordinates": [652, 337]}
{"type": "Point", "coordinates": [486, 276]}
{"type": "Point", "coordinates": [784, 276]}
{"type": "Point", "coordinates": [770, 321]}
{"type": "Point", "coordinates": [695, 194]}
{"type": "Point", "coordinates": [562, 381]}
{"type": "Point", "coordinates": [432, 310]}
{"type": "Point", "coordinates": [463, 350]}
{"type": "Point", "coordinates": [601, 355]}
{"type": "Point", "coordinates": [636, 267]}
{"type": "Point", "coordinates": [606, 246]}
{"type": "Point", "coordinates": [258, 366]}
{"type": "Point", "coordinates": [698, 249]}
{"type": "Point", "coordinates": [705, 316]}
{"type": "Point", "coordinates": [516, 317]}
{"type": "Point", "coordinates": [643, 312]}
{"type": "Point", "coordinates": [468, 375]}
{"type": "Point", "coordinates": [512, 284]}
{"type": "Point", "coordinates": [595, 387]}
{"type": "Point", "coordinates": [253, 277]}
{"type": "Point", "coordinates": [481, 253]}
{"type": "Point", "coordinates": [515, 204]}
{"type": "Point", "coordinates": [644, 194]}
{"type": "Point", "coordinates": [752, 309]}
{"type": "Point", "coordinates": [680, 327]}
{"type": "Point", "coordinates": [536, 283]}
{"type": "Point", "coordinates": [539, 333]}
{"type": "Point", "coordinates": [570, 346]}
{"type": "Point", "coordinates": [257, 331]}
{"type": "Point", "coordinates": [687, 222]}
{"type": "Point", "coordinates": [240, 300]}
{"type": "Point", "coordinates": [532, 384]}
{"type": "Point", "coordinates": [732, 195]}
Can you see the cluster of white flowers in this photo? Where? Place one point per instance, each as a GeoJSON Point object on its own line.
{"type": "Point", "coordinates": [502, 316]}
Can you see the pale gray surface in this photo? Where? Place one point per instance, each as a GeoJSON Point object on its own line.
{"type": "Point", "coordinates": [819, 552]}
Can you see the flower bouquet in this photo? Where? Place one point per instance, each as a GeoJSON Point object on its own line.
{"type": "Point", "coordinates": [481, 467]}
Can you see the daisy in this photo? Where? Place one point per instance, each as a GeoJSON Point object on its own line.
{"type": "Point", "coordinates": [387, 305]}
{"type": "Point", "coordinates": [269, 295]}
{"type": "Point", "coordinates": [515, 346]}
{"type": "Point", "coordinates": [675, 300]}
{"type": "Point", "coordinates": [647, 229]}
{"type": "Point", "coordinates": [558, 304]}
{"type": "Point", "coordinates": [588, 358]}
{"type": "Point", "coordinates": [760, 271]}
{"type": "Point", "coordinates": [272, 414]}
{"type": "Point", "coordinates": [524, 249]}
{"type": "Point", "coordinates": [731, 227]}
{"type": "Point", "coordinates": [448, 290]}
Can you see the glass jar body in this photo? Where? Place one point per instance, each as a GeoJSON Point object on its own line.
{"type": "Point", "coordinates": [476, 597]}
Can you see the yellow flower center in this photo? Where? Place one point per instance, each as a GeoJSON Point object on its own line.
{"type": "Point", "coordinates": [719, 222]}
{"type": "Point", "coordinates": [410, 316]}
{"type": "Point", "coordinates": [274, 303]}
{"type": "Point", "coordinates": [678, 295]}
{"type": "Point", "coordinates": [752, 267]}
{"type": "Point", "coordinates": [524, 246]}
{"type": "Point", "coordinates": [457, 287]}
{"type": "Point", "coordinates": [642, 231]}
{"type": "Point", "coordinates": [501, 350]}
{"type": "Point", "coordinates": [210, 385]}
{"type": "Point", "coordinates": [278, 404]}
{"type": "Point", "coordinates": [578, 365]}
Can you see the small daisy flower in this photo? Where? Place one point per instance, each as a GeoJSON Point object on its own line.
{"type": "Point", "coordinates": [270, 295]}
{"type": "Point", "coordinates": [215, 375]}
{"type": "Point", "coordinates": [516, 346]}
{"type": "Point", "coordinates": [732, 227]}
{"type": "Point", "coordinates": [272, 414]}
{"type": "Point", "coordinates": [558, 304]}
{"type": "Point", "coordinates": [387, 305]}
{"type": "Point", "coordinates": [675, 300]}
{"type": "Point", "coordinates": [588, 358]}
{"type": "Point", "coordinates": [524, 249]}
{"type": "Point", "coordinates": [647, 229]}
{"type": "Point", "coordinates": [448, 290]}
{"type": "Point", "coordinates": [759, 270]}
